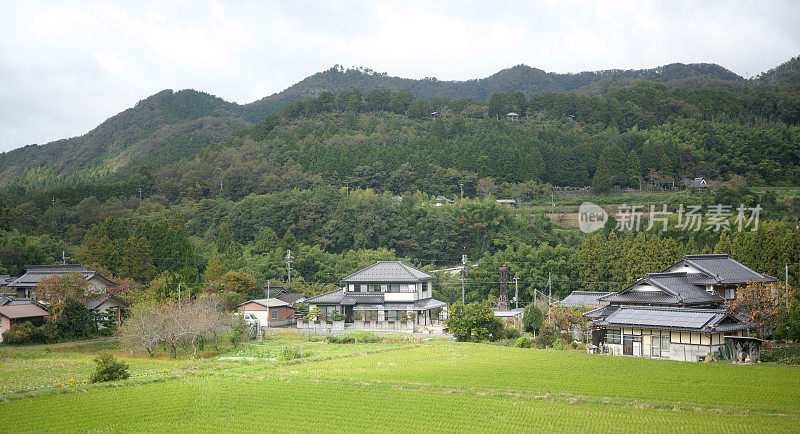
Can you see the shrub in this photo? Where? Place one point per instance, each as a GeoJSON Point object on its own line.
{"type": "Point", "coordinates": [336, 316]}
{"type": "Point", "coordinates": [75, 320]}
{"type": "Point", "coordinates": [109, 369]}
{"type": "Point", "coordinates": [532, 318]}
{"type": "Point", "coordinates": [353, 337]}
{"type": "Point", "coordinates": [512, 333]}
{"type": "Point", "coordinates": [547, 336]}
{"type": "Point", "coordinates": [522, 342]}
{"type": "Point", "coordinates": [472, 322]}
{"type": "Point", "coordinates": [786, 355]}
{"type": "Point", "coordinates": [27, 333]}
{"type": "Point", "coordinates": [561, 345]}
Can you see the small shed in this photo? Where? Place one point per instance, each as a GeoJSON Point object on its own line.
{"type": "Point", "coordinates": [107, 304]}
{"type": "Point", "coordinates": [743, 349]}
{"type": "Point", "coordinates": [699, 183]}
{"type": "Point", "coordinates": [512, 116]}
{"type": "Point", "coordinates": [511, 317]}
{"type": "Point", "coordinates": [270, 312]}
{"type": "Point", "coordinates": [19, 313]}
{"type": "Point", "coordinates": [507, 202]}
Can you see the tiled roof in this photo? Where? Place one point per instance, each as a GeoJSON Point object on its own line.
{"type": "Point", "coordinates": [35, 273]}
{"type": "Point", "coordinates": [724, 270]}
{"type": "Point", "coordinates": [96, 301]}
{"type": "Point", "coordinates": [583, 298]}
{"type": "Point", "coordinates": [428, 303]}
{"type": "Point", "coordinates": [676, 289]}
{"type": "Point", "coordinates": [672, 318]}
{"type": "Point", "coordinates": [267, 302]}
{"type": "Point", "coordinates": [333, 297]}
{"type": "Point", "coordinates": [28, 310]}
{"type": "Point", "coordinates": [388, 272]}
{"type": "Point", "coordinates": [601, 312]}
{"type": "Point", "coordinates": [290, 297]}
{"type": "Point", "coordinates": [13, 301]}
{"type": "Point", "coordinates": [351, 299]}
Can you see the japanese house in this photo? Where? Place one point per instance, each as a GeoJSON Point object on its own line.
{"type": "Point", "coordinates": [25, 285]}
{"type": "Point", "coordinates": [387, 295]}
{"type": "Point", "coordinates": [676, 314]}
{"type": "Point", "coordinates": [270, 312]}
{"type": "Point", "coordinates": [11, 314]}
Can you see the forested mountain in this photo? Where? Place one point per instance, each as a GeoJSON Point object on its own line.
{"type": "Point", "coordinates": [521, 78]}
{"type": "Point", "coordinates": [184, 179]}
{"type": "Point", "coordinates": [169, 126]}
{"type": "Point", "coordinates": [159, 130]}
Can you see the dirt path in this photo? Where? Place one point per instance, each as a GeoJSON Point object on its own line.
{"type": "Point", "coordinates": [61, 344]}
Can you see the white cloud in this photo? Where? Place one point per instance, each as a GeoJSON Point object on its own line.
{"type": "Point", "coordinates": [66, 66]}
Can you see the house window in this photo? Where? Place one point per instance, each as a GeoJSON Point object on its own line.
{"type": "Point", "coordinates": [424, 286]}
{"type": "Point", "coordinates": [730, 293]}
{"type": "Point", "coordinates": [391, 315]}
{"type": "Point", "coordinates": [394, 288]}
{"type": "Point", "coordinates": [613, 336]}
{"type": "Point", "coordinates": [274, 313]}
{"type": "Point", "coordinates": [356, 288]}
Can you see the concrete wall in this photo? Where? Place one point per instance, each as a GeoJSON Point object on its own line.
{"type": "Point", "coordinates": [5, 324]}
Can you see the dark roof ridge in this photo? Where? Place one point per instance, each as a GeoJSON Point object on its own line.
{"type": "Point", "coordinates": [666, 274]}
{"type": "Point", "coordinates": [673, 308]}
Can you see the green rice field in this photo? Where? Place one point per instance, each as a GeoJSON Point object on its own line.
{"type": "Point", "coordinates": [426, 386]}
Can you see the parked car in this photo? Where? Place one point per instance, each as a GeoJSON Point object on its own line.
{"type": "Point", "coordinates": [250, 319]}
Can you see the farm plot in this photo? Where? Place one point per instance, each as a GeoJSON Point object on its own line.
{"type": "Point", "coordinates": [762, 388]}
{"type": "Point", "coordinates": [438, 386]}
{"type": "Point", "coordinates": [221, 403]}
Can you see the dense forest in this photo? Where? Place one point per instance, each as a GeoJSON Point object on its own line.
{"type": "Point", "coordinates": [185, 186]}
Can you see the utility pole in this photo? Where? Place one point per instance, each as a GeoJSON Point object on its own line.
{"type": "Point", "coordinates": [461, 187]}
{"type": "Point", "coordinates": [463, 277]}
{"type": "Point", "coordinates": [553, 199]}
{"type": "Point", "coordinates": [289, 261]}
{"type": "Point", "coordinates": [549, 289]}
{"type": "Point", "coordinates": [54, 203]}
{"type": "Point", "coordinates": [502, 301]}
{"type": "Point", "coordinates": [140, 196]}
{"type": "Point", "coordinates": [267, 288]}
{"type": "Point", "coordinates": [786, 282]}
{"type": "Point", "coordinates": [179, 294]}
{"type": "Point", "coordinates": [516, 292]}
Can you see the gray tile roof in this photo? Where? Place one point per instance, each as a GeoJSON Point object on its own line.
{"type": "Point", "coordinates": [13, 301]}
{"type": "Point", "coordinates": [672, 318]}
{"type": "Point", "coordinates": [725, 270]}
{"type": "Point", "coordinates": [267, 302]}
{"type": "Point", "coordinates": [601, 312]}
{"type": "Point", "coordinates": [290, 297]}
{"type": "Point", "coordinates": [676, 289]}
{"type": "Point", "coordinates": [35, 273]}
{"type": "Point", "coordinates": [332, 297]}
{"type": "Point", "coordinates": [96, 301]}
{"type": "Point", "coordinates": [428, 303]}
{"type": "Point", "coordinates": [351, 299]}
{"type": "Point", "coordinates": [388, 272]}
{"type": "Point", "coordinates": [583, 298]}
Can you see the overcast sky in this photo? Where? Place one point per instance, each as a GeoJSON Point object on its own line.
{"type": "Point", "coordinates": [67, 66]}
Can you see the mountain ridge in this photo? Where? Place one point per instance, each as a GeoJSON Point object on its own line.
{"type": "Point", "coordinates": [170, 125]}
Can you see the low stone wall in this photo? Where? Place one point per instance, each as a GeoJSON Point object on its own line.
{"type": "Point", "coordinates": [356, 325]}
